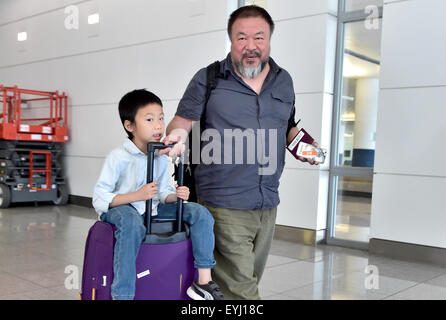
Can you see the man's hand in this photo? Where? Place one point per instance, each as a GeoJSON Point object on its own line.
{"type": "Point", "coordinates": [177, 149]}
{"type": "Point", "coordinates": [309, 160]}
{"type": "Point", "coordinates": [176, 133]}
{"type": "Point", "coordinates": [148, 191]}
{"type": "Point", "coordinates": [293, 132]}
{"type": "Point", "coordinates": [182, 192]}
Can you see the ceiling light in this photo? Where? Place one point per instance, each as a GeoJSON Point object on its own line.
{"type": "Point", "coordinates": [22, 36]}
{"type": "Point", "coordinates": [93, 18]}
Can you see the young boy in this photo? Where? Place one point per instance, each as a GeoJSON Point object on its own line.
{"type": "Point", "coordinates": [121, 192]}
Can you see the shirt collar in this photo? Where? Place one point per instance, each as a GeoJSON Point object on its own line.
{"type": "Point", "coordinates": [131, 147]}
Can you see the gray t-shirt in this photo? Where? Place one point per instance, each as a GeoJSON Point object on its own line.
{"type": "Point", "coordinates": [243, 154]}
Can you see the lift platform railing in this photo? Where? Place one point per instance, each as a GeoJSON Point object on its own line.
{"type": "Point", "coordinates": [15, 127]}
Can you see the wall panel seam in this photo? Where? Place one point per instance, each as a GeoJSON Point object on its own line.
{"type": "Point", "coordinates": [111, 48]}
{"type": "Point", "coordinates": [42, 13]}
{"type": "Point", "coordinates": [394, 2]}
{"type": "Point", "coordinates": [414, 87]}
{"type": "Point", "coordinates": [408, 175]}
{"type": "Point", "coordinates": [307, 16]}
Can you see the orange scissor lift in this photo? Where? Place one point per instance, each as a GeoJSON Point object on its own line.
{"type": "Point", "coordinates": [31, 147]}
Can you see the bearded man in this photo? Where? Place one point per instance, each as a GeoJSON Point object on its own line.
{"type": "Point", "coordinates": [253, 94]}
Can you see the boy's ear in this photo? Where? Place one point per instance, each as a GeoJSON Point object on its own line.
{"type": "Point", "coordinates": [129, 126]}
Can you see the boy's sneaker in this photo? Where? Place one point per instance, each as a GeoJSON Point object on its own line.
{"type": "Point", "coordinates": [210, 291]}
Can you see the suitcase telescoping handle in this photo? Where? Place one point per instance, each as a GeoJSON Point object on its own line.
{"type": "Point", "coordinates": [151, 148]}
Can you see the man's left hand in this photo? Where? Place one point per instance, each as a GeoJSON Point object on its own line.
{"type": "Point", "coordinates": [309, 160]}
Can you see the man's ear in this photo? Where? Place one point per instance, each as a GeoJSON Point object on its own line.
{"type": "Point", "coordinates": [129, 126]}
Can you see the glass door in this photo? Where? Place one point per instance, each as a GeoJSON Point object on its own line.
{"type": "Point", "coordinates": [354, 122]}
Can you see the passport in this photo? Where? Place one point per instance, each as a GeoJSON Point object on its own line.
{"type": "Point", "coordinates": [301, 146]}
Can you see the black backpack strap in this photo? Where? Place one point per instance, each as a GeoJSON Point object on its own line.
{"type": "Point", "coordinates": [212, 73]}
{"type": "Point", "coordinates": [291, 122]}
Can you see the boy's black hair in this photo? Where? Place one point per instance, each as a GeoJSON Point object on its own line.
{"type": "Point", "coordinates": [251, 11]}
{"type": "Point", "coordinates": [131, 102]}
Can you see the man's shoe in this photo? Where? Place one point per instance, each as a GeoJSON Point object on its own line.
{"type": "Point", "coordinates": [210, 291]}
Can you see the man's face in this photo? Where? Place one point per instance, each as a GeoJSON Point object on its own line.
{"type": "Point", "coordinates": [250, 45]}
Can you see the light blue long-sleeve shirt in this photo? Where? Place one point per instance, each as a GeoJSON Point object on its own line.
{"type": "Point", "coordinates": [125, 171]}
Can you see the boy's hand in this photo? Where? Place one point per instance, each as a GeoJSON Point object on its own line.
{"type": "Point", "coordinates": [182, 192]}
{"type": "Point", "coordinates": [148, 191]}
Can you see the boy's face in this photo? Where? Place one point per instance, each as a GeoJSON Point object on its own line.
{"type": "Point", "coordinates": [148, 125]}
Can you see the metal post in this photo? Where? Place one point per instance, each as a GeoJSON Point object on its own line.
{"type": "Point", "coordinates": [5, 119]}
{"type": "Point", "coordinates": [57, 104]}
{"type": "Point", "coordinates": [51, 112]}
{"type": "Point", "coordinates": [66, 110]}
{"type": "Point", "coordinates": [15, 105]}
{"type": "Point", "coordinates": [19, 109]}
{"type": "Point", "coordinates": [180, 201]}
{"type": "Point", "coordinates": [150, 163]}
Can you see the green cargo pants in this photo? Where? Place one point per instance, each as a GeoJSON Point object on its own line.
{"type": "Point", "coordinates": [242, 242]}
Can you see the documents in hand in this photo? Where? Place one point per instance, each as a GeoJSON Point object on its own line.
{"type": "Point", "coordinates": [302, 146]}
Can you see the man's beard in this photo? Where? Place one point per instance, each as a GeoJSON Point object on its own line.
{"type": "Point", "coordinates": [249, 72]}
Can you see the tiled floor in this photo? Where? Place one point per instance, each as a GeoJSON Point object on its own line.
{"type": "Point", "coordinates": [41, 248]}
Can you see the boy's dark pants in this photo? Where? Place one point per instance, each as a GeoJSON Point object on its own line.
{"type": "Point", "coordinates": [242, 242]}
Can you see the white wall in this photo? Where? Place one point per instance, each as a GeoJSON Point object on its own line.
{"type": "Point", "coordinates": [304, 43]}
{"type": "Point", "coordinates": [409, 188]}
{"type": "Point", "coordinates": [139, 44]}
{"type": "Point", "coordinates": [159, 45]}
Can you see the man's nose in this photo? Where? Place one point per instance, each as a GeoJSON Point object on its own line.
{"type": "Point", "coordinates": [250, 45]}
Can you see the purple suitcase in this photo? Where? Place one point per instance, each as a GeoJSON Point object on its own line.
{"type": "Point", "coordinates": [164, 265]}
